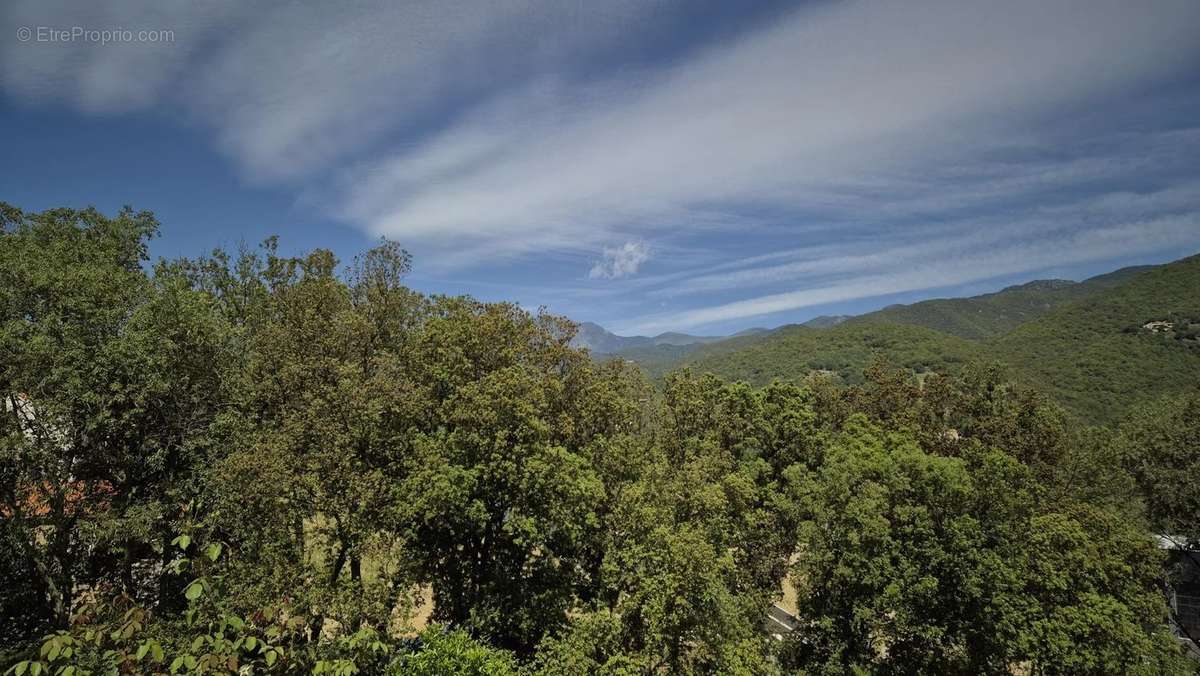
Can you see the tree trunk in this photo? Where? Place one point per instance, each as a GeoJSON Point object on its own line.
{"type": "Point", "coordinates": [336, 570]}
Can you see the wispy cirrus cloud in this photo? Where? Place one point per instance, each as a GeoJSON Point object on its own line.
{"type": "Point", "coordinates": [106, 78]}
{"type": "Point", "coordinates": [1063, 249]}
{"type": "Point", "coordinates": [829, 151]}
{"type": "Point", "coordinates": [289, 89]}
{"type": "Point", "coordinates": [932, 238]}
{"type": "Point", "coordinates": [814, 98]}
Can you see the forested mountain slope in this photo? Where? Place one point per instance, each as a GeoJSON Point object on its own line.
{"type": "Point", "coordinates": [995, 314]}
{"type": "Point", "coordinates": [658, 354]}
{"type": "Point", "coordinates": [975, 318]}
{"type": "Point", "coordinates": [1096, 355]}
{"type": "Point", "coordinates": [792, 352]}
{"type": "Point", "coordinates": [1099, 355]}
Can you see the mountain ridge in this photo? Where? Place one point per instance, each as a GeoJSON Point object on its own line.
{"type": "Point", "coordinates": [1096, 346]}
{"type": "Point", "coordinates": [602, 341]}
{"type": "Point", "coordinates": [992, 314]}
{"type": "Point", "coordinates": [1052, 292]}
{"type": "Point", "coordinates": [1131, 338]}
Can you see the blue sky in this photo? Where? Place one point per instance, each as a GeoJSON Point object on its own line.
{"type": "Point", "coordinates": [649, 165]}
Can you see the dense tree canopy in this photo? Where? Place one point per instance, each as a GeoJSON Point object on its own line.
{"type": "Point", "coordinates": [277, 464]}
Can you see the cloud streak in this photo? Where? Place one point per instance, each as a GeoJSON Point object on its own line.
{"type": "Point", "coordinates": [829, 152]}
{"type": "Point", "coordinates": [1097, 244]}
{"type": "Point", "coordinates": [813, 99]}
{"type": "Point", "coordinates": [291, 88]}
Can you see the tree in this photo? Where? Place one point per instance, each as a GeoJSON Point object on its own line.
{"type": "Point", "coordinates": [501, 492]}
{"type": "Point", "coordinates": [1159, 444]}
{"type": "Point", "coordinates": [254, 462]}
{"type": "Point", "coordinates": [318, 438]}
{"type": "Point", "coordinates": [913, 562]}
{"type": "Point", "coordinates": [110, 381]}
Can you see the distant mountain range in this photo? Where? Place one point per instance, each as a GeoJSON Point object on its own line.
{"type": "Point", "coordinates": [601, 341]}
{"type": "Point", "coordinates": [975, 317]}
{"type": "Point", "coordinates": [1097, 346]}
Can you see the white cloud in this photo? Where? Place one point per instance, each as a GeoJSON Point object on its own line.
{"type": "Point", "coordinates": [292, 88]}
{"type": "Point", "coordinates": [482, 131]}
{"type": "Point", "coordinates": [621, 261]}
{"type": "Point", "coordinates": [811, 100]}
{"type": "Point", "coordinates": [305, 86]}
{"type": "Point", "coordinates": [1167, 233]}
{"type": "Point", "coordinates": [920, 244]}
{"type": "Point", "coordinates": [107, 78]}
{"type": "Point", "coordinates": [520, 155]}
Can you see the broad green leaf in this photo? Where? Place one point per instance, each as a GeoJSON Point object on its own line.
{"type": "Point", "coordinates": [194, 590]}
{"type": "Point", "coordinates": [213, 551]}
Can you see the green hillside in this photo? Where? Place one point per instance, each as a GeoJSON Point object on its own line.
{"type": "Point", "coordinates": [995, 314]}
{"type": "Point", "coordinates": [793, 352]}
{"type": "Point", "coordinates": [975, 318]}
{"type": "Point", "coordinates": [1094, 355]}
{"type": "Point", "coordinates": [656, 360]}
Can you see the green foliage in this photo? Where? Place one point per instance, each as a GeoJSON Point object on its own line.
{"type": "Point", "coordinates": [595, 643]}
{"type": "Point", "coordinates": [995, 314]}
{"type": "Point", "coordinates": [1081, 355]}
{"type": "Point", "coordinates": [453, 653]}
{"type": "Point", "coordinates": [1158, 443]}
{"type": "Point", "coordinates": [842, 351]}
{"type": "Point", "coordinates": [109, 380]}
{"type": "Point", "coordinates": [914, 563]}
{"type": "Point", "coordinates": [1081, 344]}
{"type": "Point", "coordinates": [262, 464]}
